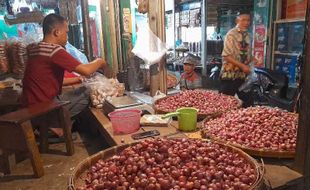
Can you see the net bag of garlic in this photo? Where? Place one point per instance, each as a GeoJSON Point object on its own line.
{"type": "Point", "coordinates": [18, 56]}
{"type": "Point", "coordinates": [102, 88]}
{"type": "Point", "coordinates": [4, 66]}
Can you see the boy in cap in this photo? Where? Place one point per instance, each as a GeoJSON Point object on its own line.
{"type": "Point", "coordinates": [190, 79]}
{"type": "Point", "coordinates": [236, 57]}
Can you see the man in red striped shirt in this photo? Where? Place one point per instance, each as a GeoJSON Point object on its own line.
{"type": "Point", "coordinates": [47, 62]}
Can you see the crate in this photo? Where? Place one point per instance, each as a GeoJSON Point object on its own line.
{"type": "Point", "coordinates": [288, 65]}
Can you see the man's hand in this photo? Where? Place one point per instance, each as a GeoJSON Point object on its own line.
{"type": "Point", "coordinates": [102, 61]}
{"type": "Point", "coordinates": [88, 69]}
{"type": "Point", "coordinates": [245, 68]}
{"type": "Point", "coordinates": [254, 60]}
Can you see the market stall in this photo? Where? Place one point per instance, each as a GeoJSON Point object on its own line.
{"type": "Point", "coordinates": [191, 139]}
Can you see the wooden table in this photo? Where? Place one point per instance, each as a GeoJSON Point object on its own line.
{"type": "Point", "coordinates": [114, 139]}
{"type": "Point", "coordinates": [8, 100]}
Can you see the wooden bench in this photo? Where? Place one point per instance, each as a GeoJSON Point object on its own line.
{"type": "Point", "coordinates": [16, 133]}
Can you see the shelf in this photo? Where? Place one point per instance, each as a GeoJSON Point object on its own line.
{"type": "Point", "coordinates": [284, 53]}
{"type": "Point", "coordinates": [187, 1]}
{"type": "Point", "coordinates": [29, 17]}
{"type": "Point", "coordinates": [289, 20]}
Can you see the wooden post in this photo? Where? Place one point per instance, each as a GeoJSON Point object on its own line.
{"type": "Point", "coordinates": [67, 9]}
{"type": "Point", "coordinates": [119, 53]}
{"type": "Point", "coordinates": [157, 25]}
{"type": "Point", "coordinates": [302, 159]}
{"type": "Point", "coordinates": [31, 144]}
{"type": "Point", "coordinates": [43, 146]}
{"type": "Point", "coordinates": [113, 36]}
{"type": "Point", "coordinates": [204, 24]}
{"type": "Point", "coordinates": [65, 123]}
{"type": "Point", "coordinates": [86, 30]}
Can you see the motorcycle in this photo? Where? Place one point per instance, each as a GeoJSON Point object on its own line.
{"type": "Point", "coordinates": [271, 88]}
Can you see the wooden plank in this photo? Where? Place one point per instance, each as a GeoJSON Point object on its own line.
{"type": "Point", "coordinates": [34, 154]}
{"type": "Point", "coordinates": [281, 176]}
{"type": "Point", "coordinates": [43, 128]}
{"type": "Point", "coordinates": [113, 36]}
{"type": "Point", "coordinates": [302, 159]}
{"type": "Point", "coordinates": [86, 29]}
{"type": "Point", "coordinates": [118, 35]}
{"type": "Point", "coordinates": [9, 130]}
{"type": "Point", "coordinates": [8, 160]}
{"type": "Point", "coordinates": [289, 20]}
{"type": "Point", "coordinates": [67, 9]}
{"type": "Point", "coordinates": [106, 127]}
{"type": "Point", "coordinates": [100, 29]}
{"type": "Point", "coordinates": [31, 112]}
{"type": "Point", "coordinates": [104, 7]}
{"type": "Point", "coordinates": [65, 123]}
{"type": "Point", "coordinates": [157, 25]}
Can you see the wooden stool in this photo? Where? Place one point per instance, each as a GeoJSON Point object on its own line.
{"type": "Point", "coordinates": [16, 133]}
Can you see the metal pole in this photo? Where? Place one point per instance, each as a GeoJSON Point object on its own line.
{"type": "Point", "coordinates": [174, 33]}
{"type": "Point", "coordinates": [204, 37]}
{"type": "Point", "coordinates": [86, 29]}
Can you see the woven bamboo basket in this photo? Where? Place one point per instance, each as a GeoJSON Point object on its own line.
{"type": "Point", "coordinates": [252, 151]}
{"type": "Point", "coordinates": [199, 116]}
{"type": "Point", "coordinates": [77, 177]}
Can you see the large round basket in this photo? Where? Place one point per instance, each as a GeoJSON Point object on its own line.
{"type": "Point", "coordinates": [77, 177]}
{"type": "Point", "coordinates": [199, 116]}
{"type": "Point", "coordinates": [251, 151]}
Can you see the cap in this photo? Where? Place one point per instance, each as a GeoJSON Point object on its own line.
{"type": "Point", "coordinates": [191, 59]}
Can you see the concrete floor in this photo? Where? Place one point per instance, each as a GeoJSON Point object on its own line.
{"type": "Point", "coordinates": [57, 166]}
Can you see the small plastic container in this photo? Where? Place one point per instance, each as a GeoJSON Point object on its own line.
{"type": "Point", "coordinates": [125, 121]}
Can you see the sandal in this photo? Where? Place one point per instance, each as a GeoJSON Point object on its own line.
{"type": "Point", "coordinates": [54, 139]}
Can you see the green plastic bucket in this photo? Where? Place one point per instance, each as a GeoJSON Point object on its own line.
{"type": "Point", "coordinates": [187, 118]}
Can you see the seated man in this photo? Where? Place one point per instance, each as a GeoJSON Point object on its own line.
{"type": "Point", "coordinates": [190, 79]}
{"type": "Point", "coordinates": [44, 74]}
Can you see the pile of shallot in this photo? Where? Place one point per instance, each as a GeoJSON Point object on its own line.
{"type": "Point", "coordinates": [208, 102]}
{"type": "Point", "coordinates": [256, 127]}
{"type": "Point", "coordinates": [173, 164]}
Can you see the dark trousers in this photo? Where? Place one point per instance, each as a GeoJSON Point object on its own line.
{"type": "Point", "coordinates": [230, 87]}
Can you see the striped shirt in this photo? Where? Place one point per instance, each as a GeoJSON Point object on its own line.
{"type": "Point", "coordinates": [44, 73]}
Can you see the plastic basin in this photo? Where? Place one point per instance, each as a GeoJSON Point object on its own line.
{"type": "Point", "coordinates": [125, 121]}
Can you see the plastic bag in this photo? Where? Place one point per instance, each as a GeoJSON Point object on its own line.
{"type": "Point", "coordinates": [76, 53]}
{"type": "Point", "coordinates": [158, 95]}
{"type": "Point", "coordinates": [102, 88]}
{"type": "Point", "coordinates": [4, 64]}
{"type": "Point", "coordinates": [148, 46]}
{"type": "Point", "coordinates": [250, 80]}
{"type": "Point", "coordinates": [18, 56]}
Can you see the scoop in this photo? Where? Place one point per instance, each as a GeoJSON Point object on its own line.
{"type": "Point", "coordinates": [187, 118]}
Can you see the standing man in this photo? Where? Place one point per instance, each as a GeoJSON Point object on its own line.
{"type": "Point", "coordinates": [48, 60]}
{"type": "Point", "coordinates": [236, 57]}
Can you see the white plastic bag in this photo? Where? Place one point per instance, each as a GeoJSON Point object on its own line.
{"type": "Point", "coordinates": [250, 80]}
{"type": "Point", "coordinates": [158, 95]}
{"type": "Point", "coordinates": [148, 46]}
{"type": "Point", "coordinates": [102, 88]}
